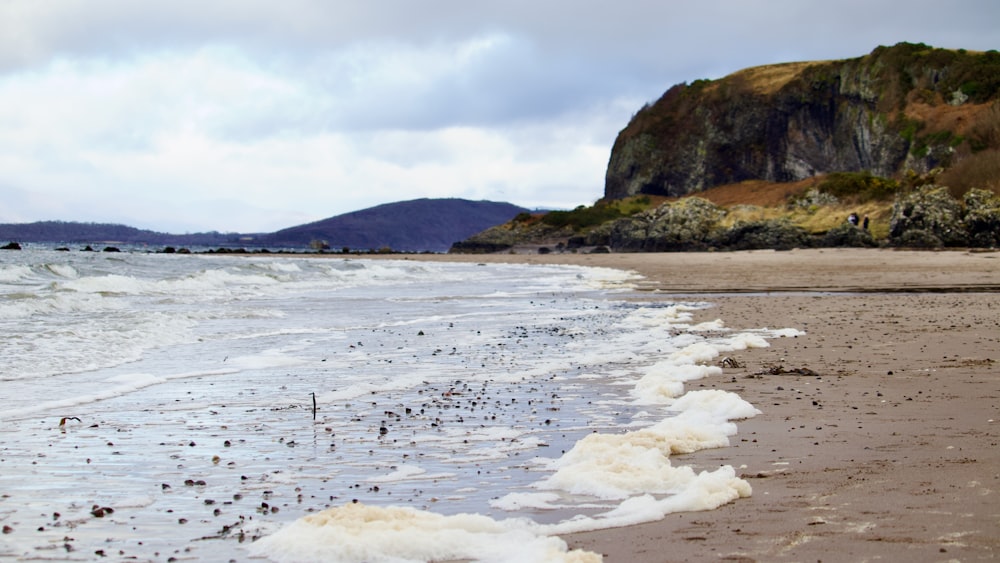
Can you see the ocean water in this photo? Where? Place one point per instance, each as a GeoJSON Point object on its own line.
{"type": "Point", "coordinates": [207, 408]}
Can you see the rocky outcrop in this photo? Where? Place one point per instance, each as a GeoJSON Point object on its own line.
{"type": "Point", "coordinates": [689, 224]}
{"type": "Point", "coordinates": [776, 234]}
{"type": "Point", "coordinates": [927, 217]}
{"type": "Point", "coordinates": [847, 235]}
{"type": "Point", "coordinates": [858, 132]}
{"type": "Point", "coordinates": [898, 108]}
{"type": "Point", "coordinates": [525, 229]}
{"type": "Point", "coordinates": [982, 218]}
{"type": "Point", "coordinates": [930, 217]}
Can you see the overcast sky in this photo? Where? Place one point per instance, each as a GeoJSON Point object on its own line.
{"type": "Point", "coordinates": [251, 116]}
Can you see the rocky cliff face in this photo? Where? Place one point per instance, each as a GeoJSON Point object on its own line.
{"type": "Point", "coordinates": [906, 107]}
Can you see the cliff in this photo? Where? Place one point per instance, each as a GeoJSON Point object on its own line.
{"type": "Point", "coordinates": [908, 107]}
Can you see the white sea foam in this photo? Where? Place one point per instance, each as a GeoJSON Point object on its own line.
{"type": "Point", "coordinates": [14, 273]}
{"type": "Point", "coordinates": [633, 469]}
{"type": "Point", "coordinates": [356, 532]}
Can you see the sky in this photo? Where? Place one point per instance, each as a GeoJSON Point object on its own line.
{"type": "Point", "coordinates": [255, 115]}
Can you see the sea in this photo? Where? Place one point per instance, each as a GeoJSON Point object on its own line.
{"type": "Point", "coordinates": [206, 407]}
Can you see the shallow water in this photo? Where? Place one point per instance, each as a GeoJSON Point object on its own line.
{"type": "Point", "coordinates": [449, 388]}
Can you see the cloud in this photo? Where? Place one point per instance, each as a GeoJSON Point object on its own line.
{"type": "Point", "coordinates": [251, 115]}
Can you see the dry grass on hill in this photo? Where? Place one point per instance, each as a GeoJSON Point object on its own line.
{"type": "Point", "coordinates": [759, 200]}
{"type": "Point", "coordinates": [768, 79]}
{"type": "Point", "coordinates": [961, 120]}
{"type": "Point", "coordinates": [757, 192]}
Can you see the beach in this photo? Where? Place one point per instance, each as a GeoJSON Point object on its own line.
{"type": "Point", "coordinates": [185, 407]}
{"type": "Point", "coordinates": [879, 436]}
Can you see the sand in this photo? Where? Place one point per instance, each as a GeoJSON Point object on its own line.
{"type": "Point", "coordinates": [880, 432]}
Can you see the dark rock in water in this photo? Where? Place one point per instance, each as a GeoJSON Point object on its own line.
{"type": "Point", "coordinates": [11, 246]}
{"type": "Point", "coordinates": [473, 247]}
{"type": "Point", "coordinates": [87, 248]}
{"type": "Point", "coordinates": [111, 249]}
{"type": "Point", "coordinates": [62, 249]}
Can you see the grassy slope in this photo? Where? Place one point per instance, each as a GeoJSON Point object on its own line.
{"type": "Point", "coordinates": [757, 200]}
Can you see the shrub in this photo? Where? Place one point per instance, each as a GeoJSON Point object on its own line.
{"type": "Point", "coordinates": [858, 186]}
{"type": "Point", "coordinates": [979, 170]}
{"type": "Point", "coordinates": [583, 217]}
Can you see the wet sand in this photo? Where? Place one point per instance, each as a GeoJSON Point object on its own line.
{"type": "Point", "coordinates": [880, 432]}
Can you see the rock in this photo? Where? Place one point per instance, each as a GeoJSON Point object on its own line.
{"type": "Point", "coordinates": [688, 224]}
{"type": "Point", "coordinates": [847, 235]}
{"type": "Point", "coordinates": [982, 218]}
{"type": "Point", "coordinates": [777, 234]}
{"type": "Point", "coordinates": [475, 247]}
{"type": "Point", "coordinates": [11, 246]}
{"type": "Point", "coordinates": [928, 217]}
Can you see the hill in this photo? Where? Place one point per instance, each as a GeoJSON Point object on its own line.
{"type": "Point", "coordinates": [909, 107]}
{"type": "Point", "coordinates": [415, 226]}
{"type": "Point", "coordinates": [905, 139]}
{"type": "Point", "coordinates": [69, 232]}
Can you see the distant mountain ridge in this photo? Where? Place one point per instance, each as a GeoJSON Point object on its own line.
{"type": "Point", "coordinates": [416, 226]}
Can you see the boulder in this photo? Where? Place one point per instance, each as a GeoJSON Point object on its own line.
{"type": "Point", "coordinates": [927, 217]}
{"type": "Point", "coordinates": [847, 235]}
{"type": "Point", "coordinates": [688, 224]}
{"type": "Point", "coordinates": [982, 218]}
{"type": "Point", "coordinates": [777, 234]}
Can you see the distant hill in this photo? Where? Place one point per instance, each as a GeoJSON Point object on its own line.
{"type": "Point", "coordinates": [416, 225]}
{"type": "Point", "coordinates": [69, 232]}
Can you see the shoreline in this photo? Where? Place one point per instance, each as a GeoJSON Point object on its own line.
{"type": "Point", "coordinates": [891, 450]}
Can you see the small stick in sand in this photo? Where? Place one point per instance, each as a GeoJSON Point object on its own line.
{"type": "Point", "coordinates": [62, 422]}
{"type": "Point", "coordinates": [314, 405]}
